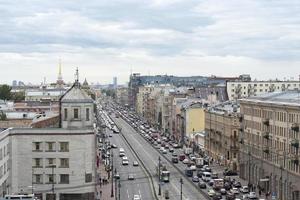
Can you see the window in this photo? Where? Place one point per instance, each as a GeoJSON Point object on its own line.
{"type": "Point", "coordinates": [37, 146]}
{"type": "Point", "coordinates": [50, 146]}
{"type": "Point", "coordinates": [64, 162]}
{"type": "Point", "coordinates": [88, 178]}
{"type": "Point", "coordinates": [51, 178]}
{"type": "Point", "coordinates": [38, 178]}
{"type": "Point", "coordinates": [76, 113]}
{"type": "Point", "coordinates": [64, 146]}
{"type": "Point", "coordinates": [66, 114]}
{"type": "Point", "coordinates": [1, 155]}
{"type": "Point", "coordinates": [50, 162]}
{"type": "Point", "coordinates": [37, 163]}
{"type": "Point", "coordinates": [64, 178]}
{"type": "Point", "coordinates": [87, 114]}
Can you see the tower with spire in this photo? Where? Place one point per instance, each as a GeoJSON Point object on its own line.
{"type": "Point", "coordinates": [59, 81]}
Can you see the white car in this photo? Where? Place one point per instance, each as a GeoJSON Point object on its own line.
{"type": "Point", "coordinates": [244, 189]}
{"type": "Point", "coordinates": [235, 191]}
{"type": "Point", "coordinates": [164, 151]}
{"type": "Point", "coordinates": [252, 195]}
{"type": "Point", "coordinates": [186, 161]}
{"type": "Point", "coordinates": [193, 167]}
{"type": "Point", "coordinates": [136, 197]}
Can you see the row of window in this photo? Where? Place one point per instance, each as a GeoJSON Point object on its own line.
{"type": "Point", "coordinates": [50, 162]}
{"type": "Point", "coordinates": [3, 169]}
{"type": "Point", "coordinates": [4, 152]}
{"type": "Point", "coordinates": [50, 178]}
{"type": "Point", "coordinates": [76, 114]}
{"type": "Point", "coordinates": [266, 85]}
{"type": "Point", "coordinates": [51, 146]}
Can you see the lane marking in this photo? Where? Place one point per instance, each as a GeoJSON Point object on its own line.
{"type": "Point", "coordinates": [128, 194]}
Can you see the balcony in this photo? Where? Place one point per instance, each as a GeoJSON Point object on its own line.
{"type": "Point", "coordinates": [295, 143]}
{"type": "Point", "coordinates": [295, 127]}
{"type": "Point", "coordinates": [266, 135]}
{"type": "Point", "coordinates": [266, 122]}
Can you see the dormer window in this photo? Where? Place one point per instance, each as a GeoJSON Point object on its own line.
{"type": "Point", "coordinates": [76, 115]}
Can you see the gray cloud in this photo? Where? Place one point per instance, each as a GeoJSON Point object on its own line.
{"type": "Point", "coordinates": [136, 31]}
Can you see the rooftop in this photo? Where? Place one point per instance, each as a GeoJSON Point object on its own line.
{"type": "Point", "coordinates": [291, 97]}
{"type": "Point", "coordinates": [76, 94]}
{"type": "Point", "coordinates": [225, 108]}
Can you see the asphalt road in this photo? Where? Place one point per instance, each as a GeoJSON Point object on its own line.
{"type": "Point", "coordinates": [150, 156]}
{"type": "Point", "coordinates": [129, 188]}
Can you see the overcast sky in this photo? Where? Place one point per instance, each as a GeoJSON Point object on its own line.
{"type": "Point", "coordinates": [106, 38]}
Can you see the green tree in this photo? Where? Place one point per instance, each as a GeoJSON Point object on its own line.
{"type": "Point", "coordinates": [2, 116]}
{"type": "Point", "coordinates": [5, 93]}
{"type": "Point", "coordinates": [17, 96]}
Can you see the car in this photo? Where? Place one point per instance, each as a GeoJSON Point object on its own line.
{"type": "Point", "coordinates": [202, 185]}
{"type": "Point", "coordinates": [171, 150]}
{"type": "Point", "coordinates": [230, 196]}
{"type": "Point", "coordinates": [114, 146]}
{"type": "Point", "coordinates": [211, 183]}
{"type": "Point", "coordinates": [186, 161]}
{"type": "Point", "coordinates": [252, 195]}
{"type": "Point", "coordinates": [174, 154]}
{"type": "Point", "coordinates": [117, 176]}
{"type": "Point", "coordinates": [195, 179]}
{"type": "Point", "coordinates": [130, 177]}
{"type": "Point", "coordinates": [136, 197]}
{"type": "Point", "coordinates": [223, 191]}
{"type": "Point", "coordinates": [167, 146]}
{"type": "Point", "coordinates": [125, 161]}
{"type": "Point", "coordinates": [110, 135]}
{"type": "Point", "coordinates": [214, 175]}
{"type": "Point", "coordinates": [244, 189]}
{"type": "Point", "coordinates": [164, 151]}
{"type": "Point", "coordinates": [235, 190]}
{"type": "Point", "coordinates": [200, 173]}
{"type": "Point", "coordinates": [193, 167]}
{"type": "Point", "coordinates": [181, 157]}
{"type": "Point", "coordinates": [217, 196]}
{"type": "Point", "coordinates": [135, 163]}
{"type": "Point", "coordinates": [230, 173]}
{"type": "Point", "coordinates": [207, 169]}
{"type": "Point", "coordinates": [174, 160]}
{"type": "Point", "coordinates": [237, 184]}
{"type": "Point", "coordinates": [211, 192]}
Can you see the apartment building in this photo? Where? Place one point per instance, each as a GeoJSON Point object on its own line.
{"type": "Point", "coordinates": [53, 163]}
{"type": "Point", "coordinates": [269, 150]}
{"type": "Point", "coordinates": [222, 125]}
{"type": "Point", "coordinates": [241, 89]}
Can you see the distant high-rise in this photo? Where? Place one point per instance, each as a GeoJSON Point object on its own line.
{"type": "Point", "coordinates": [14, 83]}
{"type": "Point", "coordinates": [115, 82]}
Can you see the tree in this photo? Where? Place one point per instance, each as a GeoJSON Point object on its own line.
{"type": "Point", "coordinates": [18, 96]}
{"type": "Point", "coordinates": [5, 93]}
{"type": "Point", "coordinates": [2, 116]}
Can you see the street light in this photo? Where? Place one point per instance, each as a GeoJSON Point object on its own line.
{"type": "Point", "coordinates": [112, 174]}
{"type": "Point", "coordinates": [159, 187]}
{"type": "Point", "coordinates": [181, 183]}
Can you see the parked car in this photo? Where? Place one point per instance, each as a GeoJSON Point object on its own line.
{"type": "Point", "coordinates": [136, 197]}
{"type": "Point", "coordinates": [195, 179]}
{"type": "Point", "coordinates": [186, 161]}
{"type": "Point", "coordinates": [252, 195]}
{"type": "Point", "coordinates": [235, 191]}
{"type": "Point", "coordinates": [135, 163]}
{"type": "Point", "coordinates": [171, 150]}
{"type": "Point", "coordinates": [230, 173]}
{"type": "Point", "coordinates": [181, 157]}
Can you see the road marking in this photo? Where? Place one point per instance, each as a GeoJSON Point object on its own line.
{"type": "Point", "coordinates": [128, 194]}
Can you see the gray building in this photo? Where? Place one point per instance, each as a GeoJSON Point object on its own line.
{"type": "Point", "coordinates": [269, 149]}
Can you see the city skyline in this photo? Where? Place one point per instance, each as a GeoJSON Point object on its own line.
{"type": "Point", "coordinates": [179, 38]}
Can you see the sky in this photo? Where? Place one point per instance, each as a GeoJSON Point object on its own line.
{"type": "Point", "coordinates": [107, 38]}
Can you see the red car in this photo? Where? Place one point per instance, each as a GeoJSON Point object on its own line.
{"type": "Point", "coordinates": [181, 157]}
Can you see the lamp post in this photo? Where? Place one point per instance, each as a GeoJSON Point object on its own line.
{"type": "Point", "coordinates": [159, 187]}
{"type": "Point", "coordinates": [181, 183]}
{"type": "Point", "coordinates": [116, 182]}
{"type": "Point", "coordinates": [112, 174]}
{"type": "Point", "coordinates": [119, 189]}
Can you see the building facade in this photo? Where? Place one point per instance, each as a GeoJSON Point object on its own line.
{"type": "Point", "coordinates": [242, 89]}
{"type": "Point", "coordinates": [270, 143]}
{"type": "Point", "coordinates": [222, 125]}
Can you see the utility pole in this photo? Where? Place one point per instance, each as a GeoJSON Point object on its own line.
{"type": "Point", "coordinates": [119, 189]}
{"type": "Point", "coordinates": [159, 187]}
{"type": "Point", "coordinates": [112, 174]}
{"type": "Point", "coordinates": [116, 182]}
{"type": "Point", "coordinates": [181, 183]}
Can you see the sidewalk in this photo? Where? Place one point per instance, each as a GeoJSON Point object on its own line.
{"type": "Point", "coordinates": [103, 183]}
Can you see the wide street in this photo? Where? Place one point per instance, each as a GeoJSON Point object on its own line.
{"type": "Point", "coordinates": [149, 157]}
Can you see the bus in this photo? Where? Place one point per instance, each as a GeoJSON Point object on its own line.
{"type": "Point", "coordinates": [21, 197]}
